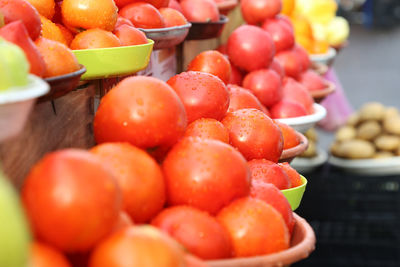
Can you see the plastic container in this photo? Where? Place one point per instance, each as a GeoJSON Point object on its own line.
{"type": "Point", "coordinates": [289, 154]}
{"type": "Point", "coordinates": [295, 195]}
{"type": "Point", "coordinates": [167, 37]}
{"type": "Point", "coordinates": [306, 165]}
{"type": "Point", "coordinates": [325, 59]}
{"type": "Point", "coordinates": [16, 104]}
{"type": "Point", "coordinates": [322, 94]}
{"type": "Point", "coordinates": [301, 245]}
{"type": "Point", "coordinates": [206, 30]}
{"type": "Point", "coordinates": [303, 123]}
{"type": "Point", "coordinates": [114, 61]}
{"type": "Point", "coordinates": [63, 84]}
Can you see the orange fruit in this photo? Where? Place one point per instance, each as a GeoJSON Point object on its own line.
{"type": "Point", "coordinates": [320, 47]}
{"type": "Point", "coordinates": [44, 7]}
{"type": "Point", "coordinates": [302, 26]}
{"type": "Point", "coordinates": [51, 31]}
{"type": "Point", "coordinates": [68, 36]}
{"type": "Point", "coordinates": [305, 42]}
{"type": "Point", "coordinates": [288, 7]}
{"type": "Point", "coordinates": [58, 58]}
{"type": "Point", "coordinates": [94, 38]}
{"type": "Point", "coordinates": [89, 14]}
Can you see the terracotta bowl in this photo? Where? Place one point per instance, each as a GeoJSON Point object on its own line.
{"type": "Point", "coordinates": [206, 30]}
{"type": "Point", "coordinates": [289, 154]}
{"type": "Point", "coordinates": [301, 245]}
{"type": "Point", "coordinates": [322, 94]}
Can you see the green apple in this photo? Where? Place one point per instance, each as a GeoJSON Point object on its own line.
{"type": "Point", "coordinates": [14, 233]}
{"type": "Point", "coordinates": [14, 66]}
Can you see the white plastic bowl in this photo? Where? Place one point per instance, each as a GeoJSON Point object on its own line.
{"type": "Point", "coordinates": [306, 165]}
{"type": "Point", "coordinates": [325, 59]}
{"type": "Point", "coordinates": [16, 104]}
{"type": "Point", "coordinates": [368, 167]}
{"type": "Point", "coordinates": [303, 123]}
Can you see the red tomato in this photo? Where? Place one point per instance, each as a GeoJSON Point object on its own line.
{"type": "Point", "coordinates": [236, 76]}
{"type": "Point", "coordinates": [123, 21]}
{"type": "Point", "coordinates": [302, 54]}
{"type": "Point", "coordinates": [295, 91]}
{"type": "Point", "coordinates": [203, 95]}
{"type": "Point", "coordinates": [287, 109]}
{"type": "Point", "coordinates": [200, 10]}
{"type": "Point", "coordinates": [129, 35]}
{"type": "Point", "coordinates": [138, 246]}
{"type": "Point", "coordinates": [255, 227]}
{"type": "Point", "coordinates": [290, 62]}
{"type": "Point", "coordinates": [175, 5]}
{"type": "Point", "coordinates": [312, 81]}
{"type": "Point", "coordinates": [266, 171]}
{"type": "Point", "coordinates": [208, 128]}
{"type": "Point", "coordinates": [256, 11]}
{"type": "Point", "coordinates": [254, 134]}
{"type": "Point", "coordinates": [241, 98]}
{"type": "Point", "coordinates": [277, 67]}
{"type": "Point", "coordinates": [222, 49]}
{"type": "Point", "coordinates": [250, 48]}
{"type": "Point", "coordinates": [123, 222]}
{"type": "Point", "coordinates": [204, 173]}
{"type": "Point", "coordinates": [42, 255]}
{"type": "Point", "coordinates": [290, 138]}
{"type": "Point", "coordinates": [143, 15]}
{"type": "Point", "coordinates": [212, 62]}
{"type": "Point", "coordinates": [293, 175]}
{"type": "Point", "coordinates": [196, 230]}
{"type": "Point", "coordinates": [139, 176]}
{"type": "Point", "coordinates": [70, 190]}
{"type": "Point", "coordinates": [143, 111]}
{"type": "Point", "coordinates": [281, 33]}
{"type": "Point", "coordinates": [192, 261]}
{"type": "Point", "coordinates": [155, 3]}
{"type": "Point", "coordinates": [172, 17]}
{"type": "Point", "coordinates": [265, 84]}
{"type": "Point", "coordinates": [271, 195]}
{"type": "Point", "coordinates": [24, 11]}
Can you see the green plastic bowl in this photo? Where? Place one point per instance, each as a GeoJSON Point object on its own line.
{"type": "Point", "coordinates": [114, 61]}
{"type": "Point", "coordinates": [294, 195]}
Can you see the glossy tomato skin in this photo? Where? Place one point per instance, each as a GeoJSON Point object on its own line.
{"type": "Point", "coordinates": [265, 84]}
{"type": "Point", "coordinates": [312, 81]}
{"type": "Point", "coordinates": [143, 15]}
{"type": "Point", "coordinates": [255, 227]}
{"type": "Point", "coordinates": [265, 171]}
{"type": "Point", "coordinates": [302, 54]}
{"type": "Point", "coordinates": [281, 33]}
{"type": "Point", "coordinates": [172, 17]}
{"type": "Point", "coordinates": [129, 35]}
{"type": "Point", "coordinates": [257, 11]}
{"type": "Point", "coordinates": [140, 246]}
{"type": "Point", "coordinates": [70, 190]}
{"type": "Point", "coordinates": [156, 3]}
{"type": "Point", "coordinates": [42, 255]}
{"type": "Point", "coordinates": [290, 62]}
{"type": "Point", "coordinates": [294, 176]}
{"type": "Point", "coordinates": [139, 176]}
{"type": "Point", "coordinates": [296, 92]}
{"type": "Point", "coordinates": [287, 109]}
{"type": "Point", "coordinates": [204, 173]}
{"type": "Point", "coordinates": [274, 197]}
{"type": "Point", "coordinates": [254, 134]}
{"type": "Point", "coordinates": [212, 62]}
{"type": "Point", "coordinates": [277, 67]}
{"type": "Point", "coordinates": [192, 261]}
{"type": "Point", "coordinates": [250, 48]}
{"type": "Point", "coordinates": [236, 76]}
{"type": "Point", "coordinates": [203, 95]}
{"type": "Point", "coordinates": [196, 230]}
{"type": "Point", "coordinates": [241, 98]}
{"type": "Point", "coordinates": [290, 138]}
{"type": "Point", "coordinates": [208, 128]}
{"type": "Point", "coordinates": [143, 111]}
{"type": "Point", "coordinates": [200, 10]}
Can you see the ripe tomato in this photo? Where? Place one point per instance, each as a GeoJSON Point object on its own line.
{"type": "Point", "coordinates": [143, 111]}
{"type": "Point", "coordinates": [257, 11]}
{"type": "Point", "coordinates": [265, 84]}
{"type": "Point", "coordinates": [287, 109]}
{"type": "Point", "coordinates": [290, 138]}
{"type": "Point", "coordinates": [138, 246]}
{"type": "Point", "coordinates": [281, 33]}
{"type": "Point", "coordinates": [236, 76]}
{"type": "Point", "coordinates": [203, 95]}
{"type": "Point", "coordinates": [255, 227]}
{"type": "Point", "coordinates": [143, 15]}
{"type": "Point", "coordinates": [42, 255]}
{"type": "Point", "coordinates": [70, 190]}
{"type": "Point", "coordinates": [312, 81]}
{"type": "Point", "coordinates": [123, 222]}
{"type": "Point", "coordinates": [196, 230]}
{"type": "Point", "coordinates": [271, 195]}
{"type": "Point", "coordinates": [139, 176]}
{"type": "Point", "coordinates": [172, 17]}
{"type": "Point", "coordinates": [250, 48]}
{"type": "Point", "coordinates": [241, 98]}
{"type": "Point", "coordinates": [200, 10]}
{"type": "Point", "coordinates": [192, 261]}
{"type": "Point", "coordinates": [290, 62]}
{"type": "Point", "coordinates": [277, 67]}
{"type": "Point", "coordinates": [296, 92]}
{"type": "Point", "coordinates": [266, 171]}
{"type": "Point", "coordinates": [155, 3]}
{"type": "Point", "coordinates": [208, 128]}
{"type": "Point", "coordinates": [254, 134]}
{"type": "Point", "coordinates": [302, 54]}
{"type": "Point", "coordinates": [293, 175]}
{"type": "Point", "coordinates": [123, 21]}
{"type": "Point", "coordinates": [129, 35]}
{"type": "Point", "coordinates": [204, 173]}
